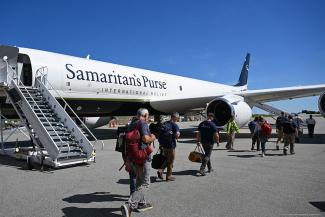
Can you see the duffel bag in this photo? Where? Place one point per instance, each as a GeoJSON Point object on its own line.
{"type": "Point", "coordinates": [197, 155]}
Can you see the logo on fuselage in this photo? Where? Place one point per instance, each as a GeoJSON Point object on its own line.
{"type": "Point", "coordinates": [114, 78]}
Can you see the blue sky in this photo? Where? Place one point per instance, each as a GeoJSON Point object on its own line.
{"type": "Point", "coordinates": [201, 39]}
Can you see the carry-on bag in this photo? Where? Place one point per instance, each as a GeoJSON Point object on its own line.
{"type": "Point", "coordinates": [197, 155]}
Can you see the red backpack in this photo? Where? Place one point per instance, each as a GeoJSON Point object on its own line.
{"type": "Point", "coordinates": [134, 151]}
{"type": "Point", "coordinates": [266, 129]}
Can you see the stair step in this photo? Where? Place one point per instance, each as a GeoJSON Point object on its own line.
{"type": "Point", "coordinates": [73, 155]}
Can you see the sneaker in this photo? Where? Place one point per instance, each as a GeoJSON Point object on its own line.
{"type": "Point", "coordinates": [160, 175]}
{"type": "Point", "coordinates": [292, 153]}
{"type": "Point", "coordinates": [277, 147]}
{"type": "Point", "coordinates": [210, 170]}
{"type": "Point", "coordinates": [170, 178]}
{"type": "Point", "coordinates": [263, 155]}
{"type": "Point", "coordinates": [142, 207]}
{"type": "Point", "coordinates": [126, 211]}
{"type": "Point", "coordinates": [202, 172]}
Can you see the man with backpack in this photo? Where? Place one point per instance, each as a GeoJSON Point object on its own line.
{"type": "Point", "coordinates": [139, 147]}
{"type": "Point", "coordinates": [279, 123]}
{"type": "Point", "coordinates": [207, 134]}
{"type": "Point", "coordinates": [168, 133]}
{"type": "Point", "coordinates": [289, 133]}
{"type": "Point", "coordinates": [255, 129]}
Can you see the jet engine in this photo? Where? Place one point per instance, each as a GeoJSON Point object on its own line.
{"type": "Point", "coordinates": [321, 104]}
{"type": "Point", "coordinates": [224, 107]}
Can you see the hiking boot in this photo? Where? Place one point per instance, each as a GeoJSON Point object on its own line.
{"type": "Point", "coordinates": [202, 172]}
{"type": "Point", "coordinates": [142, 207]}
{"type": "Point", "coordinates": [126, 210]}
{"type": "Point", "coordinates": [160, 175]}
{"type": "Point", "coordinates": [170, 178]}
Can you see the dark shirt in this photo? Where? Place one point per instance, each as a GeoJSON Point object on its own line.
{"type": "Point", "coordinates": [280, 121]}
{"type": "Point", "coordinates": [289, 127]}
{"type": "Point", "coordinates": [207, 130]}
{"type": "Point", "coordinates": [175, 130]}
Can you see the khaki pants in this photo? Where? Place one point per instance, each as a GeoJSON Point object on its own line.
{"type": "Point", "coordinates": [289, 139]}
{"type": "Point", "coordinates": [280, 135]}
{"type": "Point", "coordinates": [170, 155]}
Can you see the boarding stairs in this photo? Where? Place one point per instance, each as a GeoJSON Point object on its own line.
{"type": "Point", "coordinates": [58, 140]}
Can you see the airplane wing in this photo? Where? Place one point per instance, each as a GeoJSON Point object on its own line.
{"type": "Point", "coordinates": [275, 94]}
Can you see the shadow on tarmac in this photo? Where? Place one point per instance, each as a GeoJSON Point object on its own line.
{"type": "Point", "coordinates": [186, 173]}
{"type": "Point", "coordinates": [319, 205]}
{"type": "Point", "coordinates": [95, 197]}
{"type": "Point", "coordinates": [93, 212]}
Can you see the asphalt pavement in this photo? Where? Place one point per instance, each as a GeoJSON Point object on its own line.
{"type": "Point", "coordinates": [243, 183]}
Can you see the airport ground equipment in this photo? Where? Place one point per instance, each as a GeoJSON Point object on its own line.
{"type": "Point", "coordinates": [57, 140]}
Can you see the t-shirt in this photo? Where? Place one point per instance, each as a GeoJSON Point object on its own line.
{"type": "Point", "coordinates": [289, 127]}
{"type": "Point", "coordinates": [175, 130]}
{"type": "Point", "coordinates": [207, 130]}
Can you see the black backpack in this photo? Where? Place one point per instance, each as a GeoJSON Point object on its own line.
{"type": "Point", "coordinates": [166, 134]}
{"type": "Point", "coordinates": [121, 140]}
{"type": "Point", "coordinates": [289, 127]}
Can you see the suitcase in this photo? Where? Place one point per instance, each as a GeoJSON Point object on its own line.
{"type": "Point", "coordinates": [158, 160]}
{"type": "Point", "coordinates": [197, 155]}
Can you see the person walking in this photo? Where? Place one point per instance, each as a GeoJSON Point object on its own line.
{"type": "Point", "coordinates": [232, 129]}
{"type": "Point", "coordinates": [169, 133]}
{"type": "Point", "coordinates": [289, 133]}
{"type": "Point", "coordinates": [207, 134]}
{"type": "Point", "coordinates": [311, 126]}
{"type": "Point", "coordinates": [278, 124]}
{"type": "Point", "coordinates": [265, 133]}
{"type": "Point", "coordinates": [138, 155]}
{"type": "Point", "coordinates": [299, 122]}
{"type": "Point", "coordinates": [255, 129]}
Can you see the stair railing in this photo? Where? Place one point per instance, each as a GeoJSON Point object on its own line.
{"type": "Point", "coordinates": [42, 78]}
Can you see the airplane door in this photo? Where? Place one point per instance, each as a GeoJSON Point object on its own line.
{"type": "Point", "coordinates": [25, 71]}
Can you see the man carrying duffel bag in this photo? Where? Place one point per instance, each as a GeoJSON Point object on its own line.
{"type": "Point", "coordinates": [207, 135]}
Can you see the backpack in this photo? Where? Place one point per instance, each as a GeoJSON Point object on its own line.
{"type": "Point", "coordinates": [134, 151]}
{"type": "Point", "coordinates": [166, 135]}
{"type": "Point", "coordinates": [121, 140]}
{"type": "Point", "coordinates": [289, 127]}
{"type": "Point", "coordinates": [251, 126]}
{"type": "Point", "coordinates": [266, 129]}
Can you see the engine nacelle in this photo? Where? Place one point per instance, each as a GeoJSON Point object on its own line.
{"type": "Point", "coordinates": [224, 107]}
{"type": "Point", "coordinates": [321, 104]}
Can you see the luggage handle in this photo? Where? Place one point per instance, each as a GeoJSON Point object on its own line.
{"type": "Point", "coordinates": [200, 149]}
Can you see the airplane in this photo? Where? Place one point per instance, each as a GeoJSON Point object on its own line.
{"type": "Point", "coordinates": [101, 90]}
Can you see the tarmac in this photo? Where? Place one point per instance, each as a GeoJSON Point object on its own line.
{"type": "Point", "coordinates": [243, 183]}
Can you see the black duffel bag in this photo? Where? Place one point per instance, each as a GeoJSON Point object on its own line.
{"type": "Point", "coordinates": [158, 160]}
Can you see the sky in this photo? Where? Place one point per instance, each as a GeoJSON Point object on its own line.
{"type": "Point", "coordinates": [205, 40]}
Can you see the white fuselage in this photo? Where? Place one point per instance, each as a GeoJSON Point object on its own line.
{"type": "Point", "coordinates": [80, 79]}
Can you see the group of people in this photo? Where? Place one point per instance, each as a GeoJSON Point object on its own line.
{"type": "Point", "coordinates": [288, 128]}
{"type": "Point", "coordinates": [138, 160]}
{"type": "Point", "coordinates": [140, 139]}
